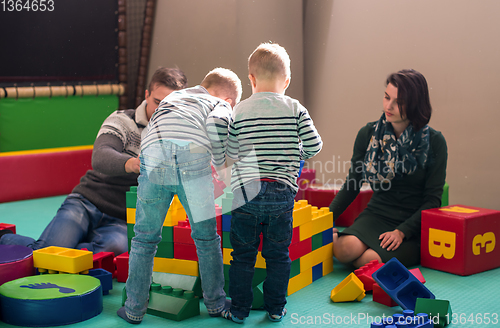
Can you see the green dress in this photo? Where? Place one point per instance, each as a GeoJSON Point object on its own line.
{"type": "Point", "coordinates": [394, 205]}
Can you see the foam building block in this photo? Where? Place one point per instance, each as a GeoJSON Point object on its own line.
{"type": "Point", "coordinates": [55, 259]}
{"type": "Point", "coordinates": [310, 250]}
{"type": "Point", "coordinates": [105, 277]}
{"type": "Point", "coordinates": [380, 296]}
{"type": "Point", "coordinates": [460, 239]}
{"type": "Point", "coordinates": [121, 264]}
{"type": "Point", "coordinates": [16, 262]}
{"type": "Point", "coordinates": [400, 284]}
{"type": "Point", "coordinates": [349, 289]}
{"type": "Point", "coordinates": [172, 303]}
{"type": "Point", "coordinates": [365, 274]}
{"type": "Point", "coordinates": [8, 226]}
{"type": "Point", "coordinates": [104, 260]}
{"type": "Point", "coordinates": [179, 281]}
{"type": "Point", "coordinates": [439, 311]}
{"type": "Point", "coordinates": [322, 195]}
{"type": "Point", "coordinates": [405, 320]}
{"type": "Point", "coordinates": [50, 300]}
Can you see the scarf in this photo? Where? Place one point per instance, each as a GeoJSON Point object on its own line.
{"type": "Point", "coordinates": [387, 157]}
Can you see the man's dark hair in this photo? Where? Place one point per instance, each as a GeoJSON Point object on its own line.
{"type": "Point", "coordinates": [172, 78]}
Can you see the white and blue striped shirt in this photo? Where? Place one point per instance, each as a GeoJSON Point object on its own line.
{"type": "Point", "coordinates": [192, 115]}
{"type": "Point", "coordinates": [269, 134]}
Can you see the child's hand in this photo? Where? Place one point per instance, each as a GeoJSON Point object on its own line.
{"type": "Point", "coordinates": [133, 165]}
{"type": "Point", "coordinates": [391, 240]}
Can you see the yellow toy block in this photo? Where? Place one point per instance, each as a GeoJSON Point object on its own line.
{"type": "Point", "coordinates": [131, 215]}
{"type": "Point", "coordinates": [300, 281]}
{"type": "Point", "coordinates": [60, 259]}
{"type": "Point", "coordinates": [226, 258]}
{"type": "Point", "coordinates": [175, 214]}
{"type": "Point", "coordinates": [327, 266]}
{"type": "Point", "coordinates": [185, 267]}
{"type": "Point", "coordinates": [316, 257]}
{"type": "Point", "coordinates": [323, 221]}
{"type": "Point", "coordinates": [350, 289]}
{"type": "Point", "coordinates": [302, 213]}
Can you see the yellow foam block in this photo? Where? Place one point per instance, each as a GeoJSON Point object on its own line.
{"type": "Point", "coordinates": [323, 221]}
{"type": "Point", "coordinates": [176, 266]}
{"type": "Point", "coordinates": [327, 266]}
{"type": "Point", "coordinates": [302, 213]}
{"type": "Point", "coordinates": [63, 259]}
{"type": "Point", "coordinates": [175, 214]}
{"type": "Point", "coordinates": [131, 215]}
{"type": "Point", "coordinates": [349, 289]}
{"type": "Point", "coordinates": [226, 258]}
{"type": "Point", "coordinates": [316, 257]}
{"type": "Point", "coordinates": [300, 281]}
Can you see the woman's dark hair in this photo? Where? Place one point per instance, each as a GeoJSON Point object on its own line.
{"type": "Point", "coordinates": [413, 96]}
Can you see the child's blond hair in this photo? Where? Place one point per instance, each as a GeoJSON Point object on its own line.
{"type": "Point", "coordinates": [269, 61]}
{"type": "Point", "coordinates": [225, 81]}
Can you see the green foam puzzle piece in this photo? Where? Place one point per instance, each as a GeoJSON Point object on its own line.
{"type": "Point", "coordinates": [439, 311]}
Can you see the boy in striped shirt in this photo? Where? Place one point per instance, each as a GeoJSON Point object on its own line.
{"type": "Point", "coordinates": [186, 133]}
{"type": "Point", "coordinates": [268, 136]}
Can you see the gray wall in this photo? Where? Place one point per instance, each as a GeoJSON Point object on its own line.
{"type": "Point", "coordinates": [342, 51]}
{"type": "Point", "coordinates": [351, 47]}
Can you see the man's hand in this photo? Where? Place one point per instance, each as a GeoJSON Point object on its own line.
{"type": "Point", "coordinates": [221, 172]}
{"type": "Point", "coordinates": [133, 165]}
{"type": "Point", "coordinates": [391, 239]}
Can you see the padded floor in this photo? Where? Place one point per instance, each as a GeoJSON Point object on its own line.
{"type": "Point", "coordinates": [474, 299]}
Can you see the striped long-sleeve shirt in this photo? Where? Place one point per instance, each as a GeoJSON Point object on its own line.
{"type": "Point", "coordinates": [269, 134]}
{"type": "Point", "coordinates": [192, 115]}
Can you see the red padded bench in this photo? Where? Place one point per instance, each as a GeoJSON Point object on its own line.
{"type": "Point", "coordinates": [42, 173]}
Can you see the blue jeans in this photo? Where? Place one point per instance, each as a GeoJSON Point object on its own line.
{"type": "Point", "coordinates": [78, 224]}
{"type": "Point", "coordinates": [168, 169]}
{"type": "Point", "coordinates": [270, 213]}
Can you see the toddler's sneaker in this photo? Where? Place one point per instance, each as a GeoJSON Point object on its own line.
{"type": "Point", "coordinates": [227, 306]}
{"type": "Point", "coordinates": [127, 317]}
{"type": "Point", "coordinates": [226, 314]}
{"type": "Point", "coordinates": [276, 317]}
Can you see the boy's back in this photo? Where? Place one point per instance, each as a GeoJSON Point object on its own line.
{"type": "Point", "coordinates": [265, 136]}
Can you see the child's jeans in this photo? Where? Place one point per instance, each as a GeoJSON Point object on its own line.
{"type": "Point", "coordinates": [270, 213]}
{"type": "Point", "coordinates": [168, 169]}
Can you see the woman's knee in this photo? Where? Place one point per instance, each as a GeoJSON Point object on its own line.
{"type": "Point", "coordinates": [348, 248]}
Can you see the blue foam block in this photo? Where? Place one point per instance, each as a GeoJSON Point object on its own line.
{"type": "Point", "coordinates": [400, 284]}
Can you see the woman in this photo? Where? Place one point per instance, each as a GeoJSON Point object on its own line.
{"type": "Point", "coordinates": [404, 160]}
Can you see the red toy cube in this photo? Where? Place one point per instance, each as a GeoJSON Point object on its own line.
{"type": "Point", "coordinates": [121, 263]}
{"type": "Point", "coordinates": [322, 195]}
{"type": "Point", "coordinates": [460, 239]}
{"type": "Point", "coordinates": [106, 261]}
{"type": "Point", "coordinates": [5, 226]}
{"type": "Point", "coordinates": [365, 274]}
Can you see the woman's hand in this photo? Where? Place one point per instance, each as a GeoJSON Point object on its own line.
{"type": "Point", "coordinates": [391, 240]}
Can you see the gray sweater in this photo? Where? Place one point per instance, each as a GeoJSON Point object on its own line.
{"type": "Point", "coordinates": [118, 140]}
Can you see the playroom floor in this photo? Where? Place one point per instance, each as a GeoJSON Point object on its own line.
{"type": "Point", "coordinates": [474, 299]}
